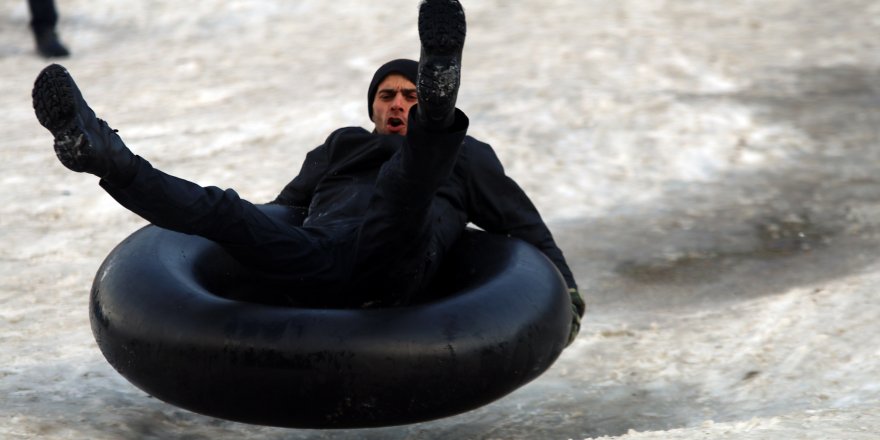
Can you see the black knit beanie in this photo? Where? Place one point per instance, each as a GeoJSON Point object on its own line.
{"type": "Point", "coordinates": [408, 68]}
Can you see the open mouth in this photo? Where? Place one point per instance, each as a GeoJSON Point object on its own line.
{"type": "Point", "coordinates": [395, 122]}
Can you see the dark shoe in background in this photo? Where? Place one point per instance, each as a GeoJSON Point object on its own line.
{"type": "Point", "coordinates": [48, 44]}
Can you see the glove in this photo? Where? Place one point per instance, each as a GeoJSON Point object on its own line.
{"type": "Point", "coordinates": [578, 306]}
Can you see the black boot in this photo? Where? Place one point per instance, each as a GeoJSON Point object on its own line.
{"type": "Point", "coordinates": [48, 44]}
{"type": "Point", "coordinates": [442, 30]}
{"type": "Point", "coordinates": [83, 143]}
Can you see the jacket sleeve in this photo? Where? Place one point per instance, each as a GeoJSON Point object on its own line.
{"type": "Point", "coordinates": [497, 204]}
{"type": "Point", "coordinates": [298, 193]}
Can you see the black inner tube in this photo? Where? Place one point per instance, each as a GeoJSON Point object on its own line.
{"type": "Point", "coordinates": [501, 317]}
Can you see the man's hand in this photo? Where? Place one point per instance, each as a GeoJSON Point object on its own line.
{"type": "Point", "coordinates": [578, 306]}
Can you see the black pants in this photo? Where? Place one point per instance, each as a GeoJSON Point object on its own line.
{"type": "Point", "coordinates": [43, 14]}
{"type": "Point", "coordinates": [381, 257]}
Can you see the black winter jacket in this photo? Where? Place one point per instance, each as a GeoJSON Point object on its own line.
{"type": "Point", "coordinates": [337, 179]}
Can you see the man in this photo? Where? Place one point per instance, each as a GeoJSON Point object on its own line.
{"type": "Point", "coordinates": [377, 210]}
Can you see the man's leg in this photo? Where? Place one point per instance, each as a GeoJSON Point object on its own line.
{"type": "Point", "coordinates": [84, 143]}
{"type": "Point", "coordinates": [394, 247]}
{"type": "Point", "coordinates": [256, 239]}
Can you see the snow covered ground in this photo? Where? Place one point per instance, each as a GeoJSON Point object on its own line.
{"type": "Point", "coordinates": [710, 170]}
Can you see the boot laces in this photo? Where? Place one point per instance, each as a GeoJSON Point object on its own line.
{"type": "Point", "coordinates": [105, 126]}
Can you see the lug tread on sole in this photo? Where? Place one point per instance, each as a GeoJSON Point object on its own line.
{"type": "Point", "coordinates": [442, 27]}
{"type": "Point", "coordinates": [54, 103]}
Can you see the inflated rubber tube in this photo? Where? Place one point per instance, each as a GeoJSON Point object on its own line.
{"type": "Point", "coordinates": [502, 320]}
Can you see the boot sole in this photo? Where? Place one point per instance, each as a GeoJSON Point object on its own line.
{"type": "Point", "coordinates": [442, 27]}
{"type": "Point", "coordinates": [442, 30]}
{"type": "Point", "coordinates": [54, 105]}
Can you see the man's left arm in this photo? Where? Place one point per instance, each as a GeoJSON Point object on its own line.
{"type": "Point", "coordinates": [498, 204]}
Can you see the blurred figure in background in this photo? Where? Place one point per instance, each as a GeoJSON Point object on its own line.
{"type": "Point", "coordinates": [44, 17]}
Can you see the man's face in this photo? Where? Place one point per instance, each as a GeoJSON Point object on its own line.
{"type": "Point", "coordinates": [394, 97]}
